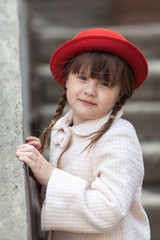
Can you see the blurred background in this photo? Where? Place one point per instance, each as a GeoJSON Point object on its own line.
{"type": "Point", "coordinates": [52, 22]}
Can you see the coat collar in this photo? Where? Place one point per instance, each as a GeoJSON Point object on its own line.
{"type": "Point", "coordinates": [84, 129]}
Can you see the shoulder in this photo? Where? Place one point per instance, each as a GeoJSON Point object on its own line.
{"type": "Point", "coordinates": [121, 135]}
{"type": "Point", "coordinates": [120, 146]}
{"type": "Point", "coordinates": [122, 126]}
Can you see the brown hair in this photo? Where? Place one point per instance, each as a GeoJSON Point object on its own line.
{"type": "Point", "coordinates": [103, 66]}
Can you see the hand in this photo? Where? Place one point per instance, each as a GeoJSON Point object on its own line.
{"type": "Point", "coordinates": [34, 141]}
{"type": "Point", "coordinates": [40, 167]}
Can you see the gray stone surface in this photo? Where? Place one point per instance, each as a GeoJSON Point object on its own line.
{"type": "Point", "coordinates": [144, 115]}
{"type": "Point", "coordinates": [14, 220]}
{"type": "Point", "coordinates": [151, 204]}
{"type": "Point", "coordinates": [50, 36]}
{"type": "Point", "coordinates": [151, 155]}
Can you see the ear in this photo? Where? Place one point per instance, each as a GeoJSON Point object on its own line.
{"type": "Point", "coordinates": [120, 95]}
{"type": "Point", "coordinates": [66, 83]}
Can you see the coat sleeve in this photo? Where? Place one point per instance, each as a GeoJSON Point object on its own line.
{"type": "Point", "coordinates": [73, 205]}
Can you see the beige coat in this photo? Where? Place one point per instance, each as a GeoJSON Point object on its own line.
{"type": "Point", "coordinates": [95, 195]}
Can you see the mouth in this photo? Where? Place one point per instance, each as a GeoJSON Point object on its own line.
{"type": "Point", "coordinates": [86, 102]}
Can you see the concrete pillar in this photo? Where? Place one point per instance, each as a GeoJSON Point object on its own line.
{"type": "Point", "coordinates": [14, 206]}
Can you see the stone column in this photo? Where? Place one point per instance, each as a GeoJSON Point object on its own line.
{"type": "Point", "coordinates": [14, 206]}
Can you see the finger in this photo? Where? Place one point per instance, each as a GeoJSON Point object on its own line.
{"type": "Point", "coordinates": [32, 138]}
{"type": "Point", "coordinates": [27, 160]}
{"type": "Point", "coordinates": [23, 145]}
{"type": "Point", "coordinates": [35, 144]}
{"type": "Point", "coordinates": [27, 148]}
{"type": "Point", "coordinates": [29, 155]}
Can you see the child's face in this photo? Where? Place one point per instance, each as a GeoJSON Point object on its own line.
{"type": "Point", "coordinates": [89, 98]}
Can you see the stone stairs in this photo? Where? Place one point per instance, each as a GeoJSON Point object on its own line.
{"type": "Point", "coordinates": [143, 110]}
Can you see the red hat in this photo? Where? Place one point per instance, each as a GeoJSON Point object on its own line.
{"type": "Point", "coordinates": [99, 39]}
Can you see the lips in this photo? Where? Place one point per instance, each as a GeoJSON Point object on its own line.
{"type": "Point", "coordinates": [87, 103]}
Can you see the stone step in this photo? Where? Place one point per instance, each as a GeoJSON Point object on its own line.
{"type": "Point", "coordinates": [45, 85]}
{"type": "Point", "coordinates": [151, 204]}
{"type": "Point", "coordinates": [49, 36]}
{"type": "Point", "coordinates": [150, 88]}
{"type": "Point", "coordinates": [151, 156]}
{"type": "Point", "coordinates": [96, 12]}
{"type": "Point", "coordinates": [50, 91]}
{"type": "Point", "coordinates": [74, 13]}
{"type": "Point", "coordinates": [144, 115]}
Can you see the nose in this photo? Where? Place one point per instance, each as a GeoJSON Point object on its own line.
{"type": "Point", "coordinates": [90, 88]}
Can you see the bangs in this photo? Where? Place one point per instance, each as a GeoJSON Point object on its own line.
{"type": "Point", "coordinates": [96, 65]}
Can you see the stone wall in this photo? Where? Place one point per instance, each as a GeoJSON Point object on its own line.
{"type": "Point", "coordinates": [135, 11]}
{"type": "Point", "coordinates": [14, 189]}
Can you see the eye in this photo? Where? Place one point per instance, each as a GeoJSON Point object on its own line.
{"type": "Point", "coordinates": [83, 78]}
{"type": "Point", "coordinates": [103, 84]}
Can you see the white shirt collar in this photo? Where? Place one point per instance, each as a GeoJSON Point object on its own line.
{"type": "Point", "coordinates": [83, 129]}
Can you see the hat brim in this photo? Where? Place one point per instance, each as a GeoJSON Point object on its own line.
{"type": "Point", "coordinates": [121, 48]}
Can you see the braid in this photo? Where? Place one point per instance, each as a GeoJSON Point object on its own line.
{"type": "Point", "coordinates": [59, 111]}
{"type": "Point", "coordinates": [60, 107]}
{"type": "Point", "coordinates": [117, 107]}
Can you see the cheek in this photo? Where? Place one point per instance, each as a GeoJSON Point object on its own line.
{"type": "Point", "coordinates": [115, 99]}
{"type": "Point", "coordinates": [109, 101]}
{"type": "Point", "coordinates": [70, 95]}
{"type": "Point", "coordinates": [113, 102]}
{"type": "Point", "coordinates": [116, 96]}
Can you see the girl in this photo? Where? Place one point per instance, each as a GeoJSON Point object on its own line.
{"type": "Point", "coordinates": [94, 177]}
